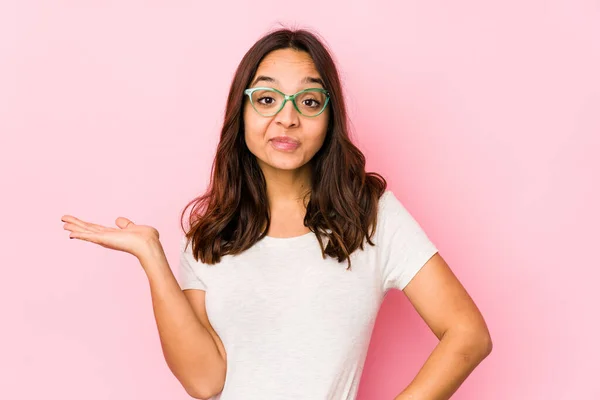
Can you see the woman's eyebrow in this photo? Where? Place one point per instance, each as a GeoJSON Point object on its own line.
{"type": "Point", "coordinates": [308, 79]}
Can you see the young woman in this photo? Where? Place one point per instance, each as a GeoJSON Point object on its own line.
{"type": "Point", "coordinates": [292, 248]}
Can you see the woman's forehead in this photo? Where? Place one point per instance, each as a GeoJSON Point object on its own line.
{"type": "Point", "coordinates": [310, 80]}
{"type": "Point", "coordinates": [287, 66]}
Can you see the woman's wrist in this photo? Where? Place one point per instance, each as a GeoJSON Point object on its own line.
{"type": "Point", "coordinates": [152, 256]}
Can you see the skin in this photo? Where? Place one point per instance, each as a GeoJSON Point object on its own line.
{"type": "Point", "coordinates": [287, 173]}
{"type": "Point", "coordinates": [449, 311]}
{"type": "Point", "coordinates": [435, 292]}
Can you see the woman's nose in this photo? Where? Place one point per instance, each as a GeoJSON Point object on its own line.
{"type": "Point", "coordinates": [288, 115]}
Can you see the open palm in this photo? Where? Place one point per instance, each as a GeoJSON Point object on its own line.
{"type": "Point", "coordinates": [128, 237]}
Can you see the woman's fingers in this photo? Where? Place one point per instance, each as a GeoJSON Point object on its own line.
{"type": "Point", "coordinates": [123, 222]}
{"type": "Point", "coordinates": [85, 225]}
{"type": "Point", "coordinates": [102, 238]}
{"type": "Point", "coordinates": [128, 237]}
{"type": "Point", "coordinates": [92, 237]}
{"type": "Point", "coordinates": [87, 236]}
{"type": "Point", "coordinates": [81, 232]}
{"type": "Point", "coordinates": [75, 228]}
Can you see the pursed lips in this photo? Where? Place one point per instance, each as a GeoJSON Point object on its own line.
{"type": "Point", "coordinates": [284, 143]}
{"type": "Point", "coordinates": [285, 139]}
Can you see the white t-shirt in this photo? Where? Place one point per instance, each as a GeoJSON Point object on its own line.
{"type": "Point", "coordinates": [295, 325]}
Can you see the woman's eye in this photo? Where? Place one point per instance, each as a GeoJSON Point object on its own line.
{"type": "Point", "coordinates": [311, 103]}
{"type": "Point", "coordinates": [266, 100]}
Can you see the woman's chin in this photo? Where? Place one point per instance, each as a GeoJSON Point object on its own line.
{"type": "Point", "coordinates": [285, 165]}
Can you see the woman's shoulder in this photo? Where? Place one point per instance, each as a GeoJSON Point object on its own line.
{"type": "Point", "coordinates": [392, 213]}
{"type": "Point", "coordinates": [388, 202]}
{"type": "Point", "coordinates": [184, 244]}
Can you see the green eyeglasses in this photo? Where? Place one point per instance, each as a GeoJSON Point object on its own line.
{"type": "Point", "coordinates": [269, 101]}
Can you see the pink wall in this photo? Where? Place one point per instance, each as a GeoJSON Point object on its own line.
{"type": "Point", "coordinates": [484, 117]}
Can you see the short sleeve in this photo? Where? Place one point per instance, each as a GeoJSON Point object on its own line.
{"type": "Point", "coordinates": [404, 245]}
{"type": "Point", "coordinates": [188, 268]}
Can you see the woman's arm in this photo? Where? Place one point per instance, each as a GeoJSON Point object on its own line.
{"type": "Point", "coordinates": [188, 347]}
{"type": "Point", "coordinates": [189, 343]}
{"type": "Point", "coordinates": [446, 307]}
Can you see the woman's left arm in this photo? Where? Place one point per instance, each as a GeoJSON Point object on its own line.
{"type": "Point", "coordinates": [448, 310]}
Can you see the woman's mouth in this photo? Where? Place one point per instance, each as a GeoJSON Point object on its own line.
{"type": "Point", "coordinates": [284, 143]}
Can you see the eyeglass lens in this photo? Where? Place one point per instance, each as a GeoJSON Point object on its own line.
{"type": "Point", "coordinates": [268, 102]}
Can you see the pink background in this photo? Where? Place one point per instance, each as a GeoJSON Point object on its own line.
{"type": "Point", "coordinates": [483, 116]}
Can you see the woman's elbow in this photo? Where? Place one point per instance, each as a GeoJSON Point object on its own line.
{"type": "Point", "coordinates": [206, 388]}
{"type": "Point", "coordinates": [202, 392]}
{"type": "Point", "coordinates": [475, 342]}
{"type": "Point", "coordinates": [482, 343]}
{"type": "Point", "coordinates": [487, 344]}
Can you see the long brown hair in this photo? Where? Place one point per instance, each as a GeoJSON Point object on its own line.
{"type": "Point", "coordinates": [229, 218]}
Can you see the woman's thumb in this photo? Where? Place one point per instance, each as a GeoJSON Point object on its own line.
{"type": "Point", "coordinates": [123, 222]}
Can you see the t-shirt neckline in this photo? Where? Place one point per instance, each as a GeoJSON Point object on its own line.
{"type": "Point", "coordinates": [287, 240]}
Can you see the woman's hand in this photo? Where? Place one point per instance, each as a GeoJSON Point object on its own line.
{"type": "Point", "coordinates": [129, 237]}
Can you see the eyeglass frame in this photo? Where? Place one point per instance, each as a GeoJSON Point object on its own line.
{"type": "Point", "coordinates": [286, 97]}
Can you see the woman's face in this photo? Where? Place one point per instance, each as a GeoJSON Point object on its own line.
{"type": "Point", "coordinates": [289, 71]}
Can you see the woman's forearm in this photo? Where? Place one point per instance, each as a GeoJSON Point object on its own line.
{"type": "Point", "coordinates": [453, 359]}
{"type": "Point", "coordinates": [188, 348]}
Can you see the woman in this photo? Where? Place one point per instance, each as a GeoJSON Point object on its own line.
{"type": "Point", "coordinates": [292, 249]}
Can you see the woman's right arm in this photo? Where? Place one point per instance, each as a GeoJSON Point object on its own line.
{"type": "Point", "coordinates": [191, 347]}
